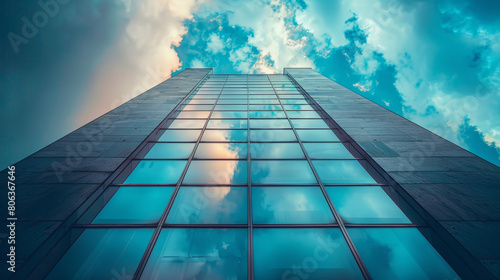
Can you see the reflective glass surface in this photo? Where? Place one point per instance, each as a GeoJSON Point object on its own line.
{"type": "Point", "coordinates": [181, 123]}
{"type": "Point", "coordinates": [269, 135]}
{"type": "Point", "coordinates": [303, 114]}
{"type": "Point", "coordinates": [298, 107]}
{"type": "Point", "coordinates": [217, 172]}
{"type": "Point", "coordinates": [229, 115]}
{"type": "Point", "coordinates": [225, 123]}
{"type": "Point", "coordinates": [231, 107]}
{"type": "Point", "coordinates": [401, 253]}
{"type": "Point", "coordinates": [275, 150]}
{"type": "Point", "coordinates": [342, 172]}
{"type": "Point", "coordinates": [264, 107]}
{"type": "Point", "coordinates": [315, 253]}
{"type": "Point", "coordinates": [267, 114]}
{"type": "Point", "coordinates": [209, 205]}
{"type": "Point", "coordinates": [100, 253]}
{"type": "Point", "coordinates": [327, 150]}
{"type": "Point", "coordinates": [221, 151]}
{"type": "Point", "coordinates": [156, 172]}
{"type": "Point", "coordinates": [194, 114]}
{"type": "Point", "coordinates": [225, 135]}
{"type": "Point", "coordinates": [170, 150]}
{"type": "Point", "coordinates": [317, 135]}
{"type": "Point", "coordinates": [198, 253]}
{"type": "Point", "coordinates": [281, 172]}
{"type": "Point", "coordinates": [290, 205]}
{"type": "Point", "coordinates": [171, 135]}
{"type": "Point", "coordinates": [124, 206]}
{"type": "Point", "coordinates": [313, 123]}
{"type": "Point", "coordinates": [366, 205]}
{"type": "Point", "coordinates": [273, 123]}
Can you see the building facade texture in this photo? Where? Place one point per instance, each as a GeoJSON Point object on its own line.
{"type": "Point", "coordinates": [285, 176]}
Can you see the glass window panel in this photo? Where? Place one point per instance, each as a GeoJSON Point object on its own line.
{"type": "Point", "coordinates": [290, 205]}
{"type": "Point", "coordinates": [224, 136]}
{"type": "Point", "coordinates": [317, 135]}
{"type": "Point", "coordinates": [232, 101]}
{"type": "Point", "coordinates": [282, 172]}
{"type": "Point", "coordinates": [156, 172]}
{"type": "Point", "coordinates": [233, 96]}
{"type": "Point", "coordinates": [227, 123]}
{"type": "Point", "coordinates": [269, 135]}
{"type": "Point", "coordinates": [198, 107]}
{"type": "Point", "coordinates": [298, 107]}
{"type": "Point", "coordinates": [218, 172]}
{"type": "Point", "coordinates": [291, 96]}
{"type": "Point", "coordinates": [265, 107]}
{"type": "Point", "coordinates": [229, 115]}
{"type": "Point", "coordinates": [267, 114]}
{"type": "Point", "coordinates": [100, 253]}
{"type": "Point", "coordinates": [274, 123]}
{"type": "Point", "coordinates": [327, 150]}
{"type": "Point", "coordinates": [342, 172]}
{"type": "Point", "coordinates": [231, 107]}
{"type": "Point", "coordinates": [170, 150]}
{"type": "Point", "coordinates": [198, 253]}
{"type": "Point", "coordinates": [263, 96]}
{"type": "Point", "coordinates": [232, 91]}
{"type": "Point", "coordinates": [265, 101]}
{"type": "Point", "coordinates": [303, 114]}
{"type": "Point", "coordinates": [199, 101]}
{"type": "Point", "coordinates": [402, 253]}
{"type": "Point", "coordinates": [124, 206]}
{"type": "Point", "coordinates": [294, 101]}
{"type": "Point", "coordinates": [263, 91]}
{"type": "Point", "coordinates": [209, 89]}
{"type": "Point", "coordinates": [276, 150]}
{"type": "Point", "coordinates": [194, 114]}
{"type": "Point", "coordinates": [209, 205]}
{"type": "Point", "coordinates": [180, 123]}
{"type": "Point", "coordinates": [204, 96]}
{"type": "Point", "coordinates": [284, 253]}
{"type": "Point", "coordinates": [312, 123]}
{"type": "Point", "coordinates": [365, 205]}
{"type": "Point", "coordinates": [172, 135]}
{"type": "Point", "coordinates": [221, 150]}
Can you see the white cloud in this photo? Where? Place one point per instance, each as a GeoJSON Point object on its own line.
{"type": "Point", "coordinates": [215, 44]}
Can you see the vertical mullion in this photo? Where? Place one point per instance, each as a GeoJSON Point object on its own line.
{"type": "Point", "coordinates": [339, 220]}
{"type": "Point", "coordinates": [163, 218]}
{"type": "Point", "coordinates": [249, 194]}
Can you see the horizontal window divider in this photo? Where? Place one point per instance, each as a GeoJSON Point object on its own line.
{"type": "Point", "coordinates": [349, 225]}
{"type": "Point", "coordinates": [167, 225]}
{"type": "Point", "coordinates": [333, 225]}
{"type": "Point", "coordinates": [152, 225]}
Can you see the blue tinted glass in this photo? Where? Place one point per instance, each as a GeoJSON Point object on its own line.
{"type": "Point", "coordinates": [268, 135]}
{"type": "Point", "coordinates": [204, 96]}
{"type": "Point", "coordinates": [401, 253]}
{"type": "Point", "coordinates": [218, 172]}
{"type": "Point", "coordinates": [232, 91]}
{"type": "Point", "coordinates": [225, 135]}
{"type": "Point", "coordinates": [274, 123]}
{"type": "Point", "coordinates": [265, 107]}
{"type": "Point", "coordinates": [221, 150]}
{"type": "Point", "coordinates": [317, 135]}
{"type": "Point", "coordinates": [298, 107]}
{"type": "Point", "coordinates": [282, 172]}
{"type": "Point", "coordinates": [209, 205]}
{"type": "Point", "coordinates": [231, 107]}
{"type": "Point", "coordinates": [263, 96]}
{"type": "Point", "coordinates": [170, 150]}
{"type": "Point", "coordinates": [102, 253]}
{"type": "Point", "coordinates": [327, 150]}
{"type": "Point", "coordinates": [198, 107]}
{"type": "Point", "coordinates": [302, 253]}
{"type": "Point", "coordinates": [180, 123]}
{"type": "Point", "coordinates": [232, 101]}
{"type": "Point", "coordinates": [294, 101]}
{"type": "Point", "coordinates": [194, 114]}
{"type": "Point", "coordinates": [267, 114]}
{"type": "Point", "coordinates": [229, 115]}
{"type": "Point", "coordinates": [265, 101]}
{"type": "Point", "coordinates": [342, 172]}
{"type": "Point", "coordinates": [233, 96]}
{"type": "Point", "coordinates": [276, 150]}
{"type": "Point", "coordinates": [365, 205]}
{"type": "Point", "coordinates": [313, 123]}
{"type": "Point", "coordinates": [290, 205]}
{"type": "Point", "coordinates": [291, 96]}
{"type": "Point", "coordinates": [199, 101]}
{"type": "Point", "coordinates": [303, 114]}
{"type": "Point", "coordinates": [226, 123]}
{"type": "Point", "coordinates": [171, 135]}
{"type": "Point", "coordinates": [199, 253]}
{"type": "Point", "coordinates": [156, 172]}
{"type": "Point", "coordinates": [123, 208]}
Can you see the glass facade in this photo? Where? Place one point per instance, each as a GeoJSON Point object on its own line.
{"type": "Point", "coordinates": [249, 179]}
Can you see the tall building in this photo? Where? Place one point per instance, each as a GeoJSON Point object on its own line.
{"type": "Point", "coordinates": [286, 176]}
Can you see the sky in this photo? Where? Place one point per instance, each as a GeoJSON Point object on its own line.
{"type": "Point", "coordinates": [64, 62]}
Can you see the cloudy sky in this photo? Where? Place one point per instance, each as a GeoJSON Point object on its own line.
{"type": "Point", "coordinates": [66, 62]}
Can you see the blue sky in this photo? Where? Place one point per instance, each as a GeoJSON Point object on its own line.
{"type": "Point", "coordinates": [433, 62]}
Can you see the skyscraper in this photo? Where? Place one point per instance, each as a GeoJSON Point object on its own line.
{"type": "Point", "coordinates": [286, 176]}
